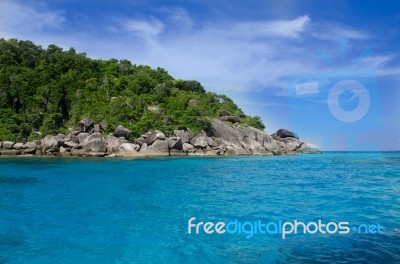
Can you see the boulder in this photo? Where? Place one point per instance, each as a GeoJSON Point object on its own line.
{"type": "Point", "coordinates": [247, 137]}
{"type": "Point", "coordinates": [232, 119]}
{"type": "Point", "coordinates": [200, 142]}
{"type": "Point", "coordinates": [71, 137]}
{"type": "Point", "coordinates": [221, 143]}
{"type": "Point", "coordinates": [70, 144]}
{"type": "Point", "coordinates": [175, 143]}
{"type": "Point", "coordinates": [8, 144]}
{"type": "Point", "coordinates": [194, 102]}
{"type": "Point", "coordinates": [30, 145]}
{"type": "Point", "coordinates": [160, 145]}
{"type": "Point", "coordinates": [272, 146]}
{"type": "Point", "coordinates": [184, 135]}
{"type": "Point", "coordinates": [129, 147]}
{"type": "Point", "coordinates": [228, 133]}
{"type": "Point", "coordinates": [140, 141]}
{"type": "Point", "coordinates": [85, 125]}
{"type": "Point", "coordinates": [308, 148]}
{"type": "Point", "coordinates": [211, 142]}
{"type": "Point", "coordinates": [63, 150]}
{"type": "Point", "coordinates": [257, 135]}
{"type": "Point", "coordinates": [190, 133]}
{"type": "Point", "coordinates": [94, 135]}
{"type": "Point", "coordinates": [96, 145]}
{"type": "Point", "coordinates": [60, 141]}
{"type": "Point", "coordinates": [144, 147]}
{"type": "Point", "coordinates": [62, 136]}
{"type": "Point", "coordinates": [284, 133]}
{"type": "Point", "coordinates": [155, 135]}
{"type": "Point", "coordinates": [18, 146]}
{"type": "Point", "coordinates": [146, 135]}
{"type": "Point", "coordinates": [222, 112]}
{"type": "Point", "coordinates": [187, 147]}
{"type": "Point", "coordinates": [49, 142]}
{"type": "Point", "coordinates": [97, 128]}
{"type": "Point", "coordinates": [51, 151]}
{"type": "Point", "coordinates": [10, 152]}
{"type": "Point", "coordinates": [289, 144]}
{"type": "Point", "coordinates": [113, 143]}
{"type": "Point", "coordinates": [30, 151]}
{"type": "Point", "coordinates": [103, 125]}
{"type": "Point", "coordinates": [122, 131]}
{"type": "Point", "coordinates": [158, 148]}
{"type": "Point", "coordinates": [75, 133]}
{"type": "Point", "coordinates": [77, 152]}
{"type": "Point", "coordinates": [82, 137]}
{"type": "Point", "coordinates": [249, 143]}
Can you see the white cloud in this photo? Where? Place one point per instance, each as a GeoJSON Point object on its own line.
{"type": "Point", "coordinates": [179, 16]}
{"type": "Point", "coordinates": [289, 28]}
{"type": "Point", "coordinates": [331, 31]}
{"type": "Point", "coordinates": [266, 29]}
{"type": "Point", "coordinates": [147, 30]}
{"type": "Point", "coordinates": [240, 56]}
{"type": "Point", "coordinates": [307, 88]}
{"type": "Point", "coordinates": [22, 21]}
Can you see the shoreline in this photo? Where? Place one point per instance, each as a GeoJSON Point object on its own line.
{"type": "Point", "coordinates": [222, 139]}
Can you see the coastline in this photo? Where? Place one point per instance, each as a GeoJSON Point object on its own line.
{"type": "Point", "coordinates": [223, 139]}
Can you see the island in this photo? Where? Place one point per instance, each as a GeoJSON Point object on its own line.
{"type": "Point", "coordinates": [61, 103]}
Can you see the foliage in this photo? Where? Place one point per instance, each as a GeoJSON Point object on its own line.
{"type": "Point", "coordinates": [50, 90]}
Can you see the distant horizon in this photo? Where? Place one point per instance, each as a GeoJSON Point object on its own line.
{"type": "Point", "coordinates": [333, 79]}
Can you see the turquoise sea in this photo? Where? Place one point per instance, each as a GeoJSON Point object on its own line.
{"type": "Point", "coordinates": [103, 210]}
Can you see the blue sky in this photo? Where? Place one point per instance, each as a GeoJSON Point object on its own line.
{"type": "Point", "coordinates": [297, 64]}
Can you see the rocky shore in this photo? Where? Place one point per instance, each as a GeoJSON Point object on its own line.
{"type": "Point", "coordinates": [223, 138]}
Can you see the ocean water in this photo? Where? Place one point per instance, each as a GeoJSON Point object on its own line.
{"type": "Point", "coordinates": [101, 210]}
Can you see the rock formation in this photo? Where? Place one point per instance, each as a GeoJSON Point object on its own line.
{"type": "Point", "coordinates": [223, 138]}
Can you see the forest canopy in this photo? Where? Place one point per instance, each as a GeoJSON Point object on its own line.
{"type": "Point", "coordinates": [47, 91]}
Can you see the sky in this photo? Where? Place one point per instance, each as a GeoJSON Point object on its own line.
{"type": "Point", "coordinates": [328, 70]}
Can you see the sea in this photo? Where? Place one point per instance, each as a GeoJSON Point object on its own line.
{"type": "Point", "coordinates": [338, 207]}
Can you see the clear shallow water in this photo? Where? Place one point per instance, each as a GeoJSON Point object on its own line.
{"type": "Point", "coordinates": [136, 211]}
